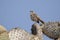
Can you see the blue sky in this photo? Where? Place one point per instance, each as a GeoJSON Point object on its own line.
{"type": "Point", "coordinates": [15, 13]}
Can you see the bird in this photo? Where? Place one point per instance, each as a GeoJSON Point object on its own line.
{"type": "Point", "coordinates": [35, 17]}
{"type": "Point", "coordinates": [48, 28]}
{"type": "Point", "coordinates": [21, 34]}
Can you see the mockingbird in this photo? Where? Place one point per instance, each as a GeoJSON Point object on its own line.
{"type": "Point", "coordinates": [35, 17]}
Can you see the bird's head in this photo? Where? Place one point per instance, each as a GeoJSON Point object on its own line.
{"type": "Point", "coordinates": [32, 12]}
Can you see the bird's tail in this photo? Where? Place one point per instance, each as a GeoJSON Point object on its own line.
{"type": "Point", "coordinates": [42, 21]}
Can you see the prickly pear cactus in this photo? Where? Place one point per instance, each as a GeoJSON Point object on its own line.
{"type": "Point", "coordinates": [20, 34]}
{"type": "Point", "coordinates": [52, 29]}
{"type": "Point", "coordinates": [58, 39]}
{"type": "Point", "coordinates": [4, 36]}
